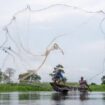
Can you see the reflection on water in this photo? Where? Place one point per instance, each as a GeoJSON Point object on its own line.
{"type": "Point", "coordinates": [28, 96]}
{"type": "Point", "coordinates": [103, 96]}
{"type": "Point", "coordinates": [84, 96]}
{"type": "Point", "coordinates": [58, 96]}
{"type": "Point", "coordinates": [52, 98]}
{"type": "Point", "coordinates": [71, 96]}
{"type": "Point", "coordinates": [4, 96]}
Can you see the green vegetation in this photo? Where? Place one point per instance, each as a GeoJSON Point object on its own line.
{"type": "Point", "coordinates": [98, 87]}
{"type": "Point", "coordinates": [41, 87]}
{"type": "Point", "coordinates": [28, 77]}
{"type": "Point", "coordinates": [25, 87]}
{"type": "Point", "coordinates": [103, 79]}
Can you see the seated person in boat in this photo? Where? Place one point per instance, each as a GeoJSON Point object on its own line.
{"type": "Point", "coordinates": [83, 84]}
{"type": "Point", "coordinates": [58, 74]}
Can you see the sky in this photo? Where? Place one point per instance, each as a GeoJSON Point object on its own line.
{"type": "Point", "coordinates": [79, 23]}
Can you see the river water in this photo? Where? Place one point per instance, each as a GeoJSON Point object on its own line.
{"type": "Point", "coordinates": [52, 98]}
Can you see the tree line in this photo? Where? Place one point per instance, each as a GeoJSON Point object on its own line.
{"type": "Point", "coordinates": [7, 76]}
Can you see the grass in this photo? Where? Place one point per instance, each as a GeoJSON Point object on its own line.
{"type": "Point", "coordinates": [98, 88]}
{"type": "Point", "coordinates": [41, 87]}
{"type": "Point", "coordinates": [25, 87]}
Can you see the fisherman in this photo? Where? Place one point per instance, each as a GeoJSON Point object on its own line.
{"type": "Point", "coordinates": [58, 74]}
{"type": "Point", "coordinates": [83, 85]}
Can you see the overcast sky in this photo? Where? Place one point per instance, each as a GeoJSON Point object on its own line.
{"type": "Point", "coordinates": [83, 41]}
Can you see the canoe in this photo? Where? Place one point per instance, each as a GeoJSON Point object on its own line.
{"type": "Point", "coordinates": [60, 88]}
{"type": "Point", "coordinates": [65, 88]}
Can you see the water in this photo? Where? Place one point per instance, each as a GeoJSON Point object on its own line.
{"type": "Point", "coordinates": [52, 98]}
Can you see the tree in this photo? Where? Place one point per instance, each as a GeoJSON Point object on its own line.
{"type": "Point", "coordinates": [26, 77]}
{"type": "Point", "coordinates": [35, 78]}
{"type": "Point", "coordinates": [3, 76]}
{"type": "Point", "coordinates": [93, 83]}
{"type": "Point", "coordinates": [9, 72]}
{"type": "Point", "coordinates": [103, 79]}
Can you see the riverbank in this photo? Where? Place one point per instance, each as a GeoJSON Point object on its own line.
{"type": "Point", "coordinates": [41, 87]}
{"type": "Point", "coordinates": [25, 87]}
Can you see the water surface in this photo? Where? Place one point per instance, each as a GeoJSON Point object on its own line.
{"type": "Point", "coordinates": [52, 98]}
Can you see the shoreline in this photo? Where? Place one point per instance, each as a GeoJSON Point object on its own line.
{"type": "Point", "coordinates": [22, 87]}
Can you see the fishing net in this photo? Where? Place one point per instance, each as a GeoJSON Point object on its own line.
{"type": "Point", "coordinates": [39, 39]}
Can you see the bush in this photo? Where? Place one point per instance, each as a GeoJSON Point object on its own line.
{"type": "Point", "coordinates": [93, 84]}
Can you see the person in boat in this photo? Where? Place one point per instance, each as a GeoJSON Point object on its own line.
{"type": "Point", "coordinates": [58, 74]}
{"type": "Point", "coordinates": [83, 84]}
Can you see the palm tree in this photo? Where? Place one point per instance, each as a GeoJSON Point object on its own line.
{"type": "Point", "coordinates": [103, 79]}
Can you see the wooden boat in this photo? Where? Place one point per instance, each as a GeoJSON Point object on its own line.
{"type": "Point", "coordinates": [60, 88]}
{"type": "Point", "coordinates": [65, 89]}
